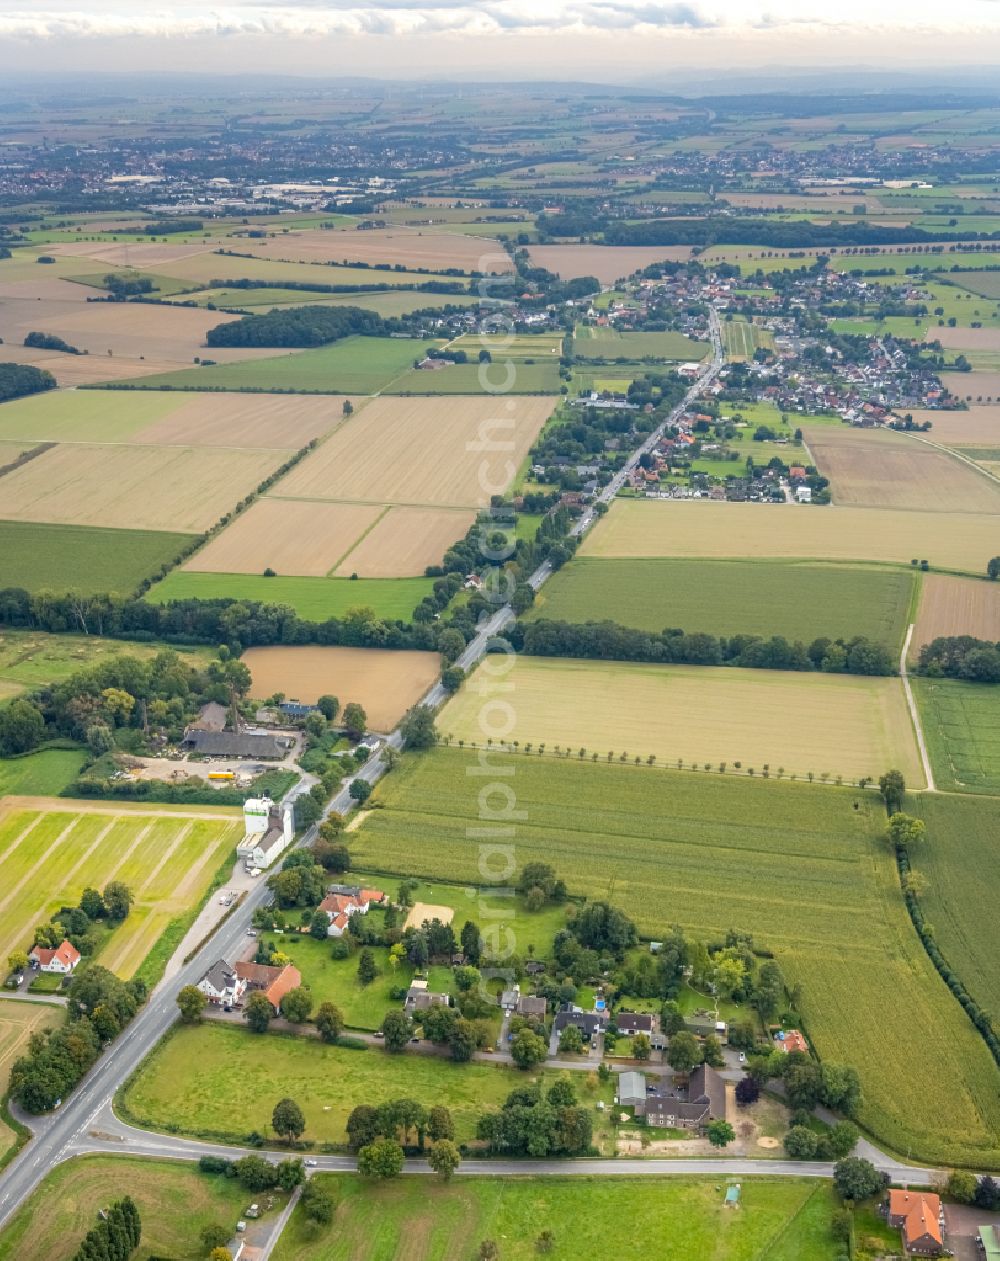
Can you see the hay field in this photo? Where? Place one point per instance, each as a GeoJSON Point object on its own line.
{"type": "Point", "coordinates": [975, 425]}
{"type": "Point", "coordinates": [957, 606]}
{"type": "Point", "coordinates": [640, 527]}
{"type": "Point", "coordinates": [283, 423]}
{"type": "Point", "coordinates": [839, 724]}
{"type": "Point", "coordinates": [883, 469]}
{"type": "Point", "coordinates": [961, 338]}
{"type": "Point", "coordinates": [141, 255]}
{"type": "Point", "coordinates": [404, 541]}
{"type": "Point", "coordinates": [292, 537]}
{"type": "Point", "coordinates": [73, 370]}
{"type": "Point", "coordinates": [384, 682]}
{"type": "Point", "coordinates": [411, 247]}
{"type": "Point", "coordinates": [607, 262]}
{"type": "Point", "coordinates": [179, 489]}
{"type": "Point", "coordinates": [421, 451]}
{"type": "Point", "coordinates": [50, 852]}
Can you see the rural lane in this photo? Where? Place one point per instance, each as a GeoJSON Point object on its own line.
{"type": "Point", "coordinates": [918, 730]}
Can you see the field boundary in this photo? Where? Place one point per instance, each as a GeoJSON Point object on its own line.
{"type": "Point", "coordinates": [911, 705]}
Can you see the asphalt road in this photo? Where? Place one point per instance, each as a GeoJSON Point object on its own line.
{"type": "Point", "coordinates": [86, 1120]}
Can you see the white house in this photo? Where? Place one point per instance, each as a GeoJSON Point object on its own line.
{"type": "Point", "coordinates": [62, 959]}
{"type": "Point", "coordinates": [342, 901]}
{"type": "Point", "coordinates": [221, 986]}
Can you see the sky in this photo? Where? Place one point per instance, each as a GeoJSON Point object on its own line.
{"type": "Point", "coordinates": [611, 39]}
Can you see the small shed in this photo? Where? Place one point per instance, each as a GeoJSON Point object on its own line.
{"type": "Point", "coordinates": [733, 1196]}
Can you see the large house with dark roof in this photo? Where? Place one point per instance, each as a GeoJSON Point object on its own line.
{"type": "Point", "coordinates": [689, 1107]}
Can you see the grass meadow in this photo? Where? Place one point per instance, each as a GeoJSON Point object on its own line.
{"type": "Point", "coordinates": [765, 721]}
{"type": "Point", "coordinates": [175, 1202]}
{"type": "Point", "coordinates": [220, 1079]}
{"type": "Point", "coordinates": [963, 877]}
{"type": "Point", "coordinates": [86, 559]}
{"type": "Point", "coordinates": [681, 1218]}
{"type": "Point", "coordinates": [722, 597]}
{"type": "Point", "coordinates": [43, 774]}
{"type": "Point", "coordinates": [314, 599]}
{"type": "Point", "coordinates": [48, 857]}
{"type": "Point", "coordinates": [356, 365]}
{"type": "Point", "coordinates": [591, 342]}
{"type": "Point", "coordinates": [803, 868]}
{"type": "Point", "coordinates": [961, 723]}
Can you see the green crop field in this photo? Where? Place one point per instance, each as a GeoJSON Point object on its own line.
{"type": "Point", "coordinates": [87, 559]}
{"type": "Point", "coordinates": [31, 658]}
{"type": "Point", "coordinates": [515, 376]}
{"type": "Point", "coordinates": [222, 1080]}
{"type": "Point", "coordinates": [827, 725]}
{"type": "Point", "coordinates": [741, 339]}
{"type": "Point", "coordinates": [984, 283]}
{"type": "Point", "coordinates": [43, 774]}
{"type": "Point", "coordinates": [356, 365]}
{"type": "Point", "coordinates": [591, 342]}
{"type": "Point", "coordinates": [961, 724]}
{"type": "Point", "coordinates": [390, 303]}
{"type": "Point", "coordinates": [175, 1202]}
{"type": "Point", "coordinates": [732, 597]}
{"type": "Point", "coordinates": [958, 857]}
{"type": "Point", "coordinates": [804, 868]}
{"type": "Point", "coordinates": [314, 599]}
{"type": "Point", "coordinates": [82, 416]}
{"type": "Point", "coordinates": [168, 860]}
{"type": "Point", "coordinates": [681, 1218]}
{"type": "Point", "coordinates": [895, 325]}
{"type": "Point", "coordinates": [539, 346]}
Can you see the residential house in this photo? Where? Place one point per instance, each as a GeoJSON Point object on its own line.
{"type": "Point", "coordinates": [701, 1024]}
{"type": "Point", "coordinates": [590, 1023]}
{"type": "Point", "coordinates": [917, 1215]}
{"type": "Point", "coordinates": [297, 711]}
{"type": "Point", "coordinates": [61, 959]}
{"type": "Point", "coordinates": [509, 999]}
{"type": "Point", "coordinates": [420, 998]}
{"type": "Point", "coordinates": [343, 901]}
{"type": "Point", "coordinates": [532, 1007]}
{"type": "Point", "coordinates": [632, 1092]}
{"type": "Point", "coordinates": [273, 982]}
{"type": "Point", "coordinates": [534, 967]}
{"type": "Point", "coordinates": [631, 1022]}
{"type": "Point", "coordinates": [221, 986]}
{"type": "Point", "coordinates": [689, 1107]}
{"type": "Point", "coordinates": [788, 1040]}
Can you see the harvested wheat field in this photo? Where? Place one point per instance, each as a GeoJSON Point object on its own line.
{"type": "Point", "coordinates": [975, 426]}
{"type": "Point", "coordinates": [607, 262]}
{"type": "Point", "coordinates": [838, 724]}
{"type": "Point", "coordinates": [280, 421]}
{"type": "Point", "coordinates": [963, 338]}
{"type": "Point", "coordinates": [294, 537]}
{"type": "Point", "coordinates": [178, 489]}
{"type": "Point", "coordinates": [141, 255]}
{"type": "Point", "coordinates": [73, 370]}
{"type": "Point", "coordinates": [975, 387]}
{"type": "Point", "coordinates": [642, 527]}
{"type": "Point", "coordinates": [883, 469]}
{"type": "Point", "coordinates": [383, 682]}
{"type": "Point", "coordinates": [410, 247]}
{"type": "Point", "coordinates": [422, 451]}
{"type": "Point", "coordinates": [405, 541]}
{"type": "Point", "coordinates": [957, 606]}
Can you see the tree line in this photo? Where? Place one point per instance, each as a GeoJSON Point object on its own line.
{"type": "Point", "coordinates": [960, 657]}
{"type": "Point", "coordinates": [115, 1237]}
{"type": "Point", "coordinates": [603, 641]}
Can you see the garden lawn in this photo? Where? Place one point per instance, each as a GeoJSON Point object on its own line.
{"type": "Point", "coordinates": [314, 599]}
{"type": "Point", "coordinates": [174, 1200]}
{"type": "Point", "coordinates": [355, 365]}
{"type": "Point", "coordinates": [963, 877]}
{"type": "Point", "coordinates": [680, 1218]}
{"type": "Point", "coordinates": [222, 1081]}
{"type": "Point", "coordinates": [961, 723]}
{"type": "Point", "coordinates": [799, 601]}
{"type": "Point", "coordinates": [86, 559]}
{"type": "Point", "coordinates": [43, 774]}
{"type": "Point", "coordinates": [803, 868]}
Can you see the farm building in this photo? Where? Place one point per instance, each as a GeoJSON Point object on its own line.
{"type": "Point", "coordinates": [274, 983]}
{"type": "Point", "coordinates": [268, 831]}
{"type": "Point", "coordinates": [632, 1092]}
{"type": "Point", "coordinates": [245, 744]}
{"type": "Point", "coordinates": [60, 960]}
{"type": "Point", "coordinates": [689, 1107]}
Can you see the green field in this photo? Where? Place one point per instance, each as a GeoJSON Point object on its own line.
{"type": "Point", "coordinates": [895, 325]}
{"type": "Point", "coordinates": [961, 724]}
{"type": "Point", "coordinates": [984, 283]}
{"type": "Point", "coordinates": [541, 346]}
{"type": "Point", "coordinates": [43, 774]}
{"type": "Point", "coordinates": [682, 1219]}
{"type": "Point", "coordinates": [390, 303]}
{"type": "Point", "coordinates": [963, 877]}
{"type": "Point", "coordinates": [32, 658]}
{"type": "Point", "coordinates": [741, 338]}
{"type": "Point", "coordinates": [85, 559]}
{"type": "Point", "coordinates": [222, 1080]}
{"type": "Point", "coordinates": [82, 416]}
{"type": "Point", "coordinates": [592, 342]}
{"type": "Point", "coordinates": [732, 597]}
{"type": "Point", "coordinates": [175, 1201]}
{"type": "Point", "coordinates": [168, 860]}
{"type": "Point", "coordinates": [356, 365]}
{"type": "Point", "coordinates": [314, 599]}
{"type": "Point", "coordinates": [796, 865]}
{"type": "Point", "coordinates": [515, 376]}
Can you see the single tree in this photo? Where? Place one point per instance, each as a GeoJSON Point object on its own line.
{"type": "Point", "coordinates": [440, 1124]}
{"type": "Point", "coordinates": [318, 1203]}
{"type": "Point", "coordinates": [287, 1120]}
{"type": "Point", "coordinates": [296, 1005]}
{"type": "Point", "coordinates": [902, 830]}
{"type": "Point", "coordinates": [381, 1159]}
{"type": "Point", "coordinates": [892, 786]}
{"type": "Point", "coordinates": [857, 1178]}
{"type": "Point", "coordinates": [329, 1022]}
{"type": "Point", "coordinates": [359, 790]}
{"type": "Point", "coordinates": [363, 1126]}
{"type": "Point", "coordinates": [801, 1143]}
{"type": "Point", "coordinates": [367, 971]}
{"type": "Point", "coordinates": [747, 1091]}
{"type": "Point", "coordinates": [258, 1012]}
{"type": "Point", "coordinates": [17, 961]}
{"type": "Point", "coordinates": [683, 1053]}
{"type": "Point", "coordinates": [528, 1049]}
{"type": "Point", "coordinates": [641, 1046]}
{"type": "Point", "coordinates": [418, 729]}
{"type": "Point", "coordinates": [720, 1133]}
{"type": "Point", "coordinates": [843, 1138]}
{"type": "Point", "coordinates": [570, 1041]}
{"type": "Point", "coordinates": [993, 568]}
{"type": "Point", "coordinates": [962, 1186]}
{"type": "Point", "coordinates": [214, 1235]}
{"type": "Point", "coordinates": [444, 1158]}
{"type": "Point", "coordinates": [117, 899]}
{"type": "Point", "coordinates": [355, 721]}
{"type": "Point", "coordinates": [397, 1029]}
{"type": "Point", "coordinates": [191, 1002]}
